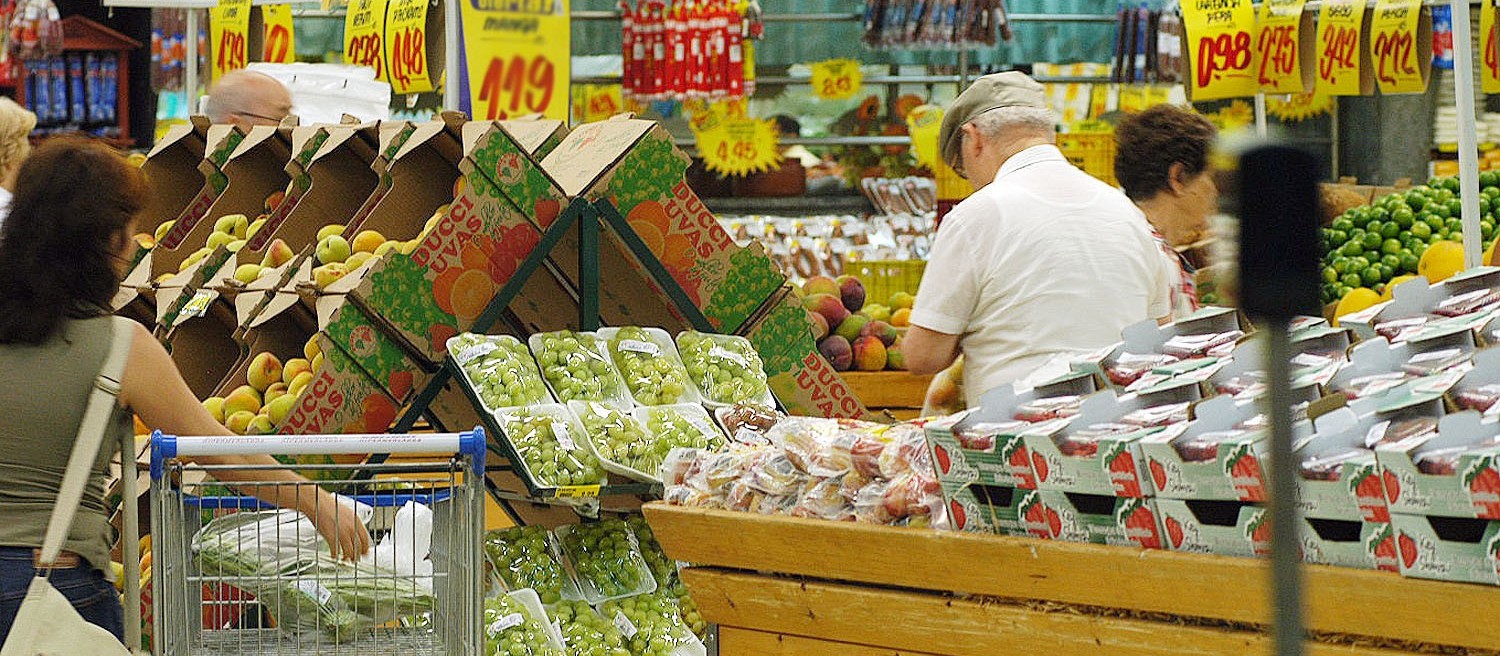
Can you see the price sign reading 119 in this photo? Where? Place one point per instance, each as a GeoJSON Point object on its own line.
{"type": "Point", "coordinates": [516, 85]}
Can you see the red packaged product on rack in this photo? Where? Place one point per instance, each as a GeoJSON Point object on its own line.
{"type": "Point", "coordinates": [1130, 367]}
{"type": "Point", "coordinates": [1326, 467]}
{"type": "Point", "coordinates": [1401, 329]}
{"type": "Point", "coordinates": [1465, 304]}
{"type": "Point", "coordinates": [1368, 386]}
{"type": "Point", "coordinates": [1162, 415]}
{"type": "Point", "coordinates": [1401, 430]}
{"type": "Point", "coordinates": [1056, 407]}
{"type": "Point", "coordinates": [1205, 447]}
{"type": "Point", "coordinates": [1241, 384]}
{"type": "Point", "coordinates": [1085, 443]}
{"type": "Point", "coordinates": [1440, 462]}
{"type": "Point", "coordinates": [1426, 364]}
{"type": "Point", "coordinates": [1184, 347]}
{"type": "Point", "coordinates": [981, 437]}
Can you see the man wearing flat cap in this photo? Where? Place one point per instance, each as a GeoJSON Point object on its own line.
{"type": "Point", "coordinates": [1041, 261]}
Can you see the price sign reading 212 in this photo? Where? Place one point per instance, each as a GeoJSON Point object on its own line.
{"type": "Point", "coordinates": [514, 86]}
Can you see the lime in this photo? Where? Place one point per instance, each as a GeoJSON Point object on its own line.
{"type": "Point", "coordinates": [1352, 248]}
{"type": "Point", "coordinates": [1421, 230]}
{"type": "Point", "coordinates": [1489, 179]}
{"type": "Point", "coordinates": [1392, 260]}
{"type": "Point", "coordinates": [1340, 265]}
{"type": "Point", "coordinates": [1371, 276]}
{"type": "Point", "coordinates": [1378, 213]}
{"type": "Point", "coordinates": [1390, 246]}
{"type": "Point", "coordinates": [1415, 201]}
{"type": "Point", "coordinates": [1342, 224]}
{"type": "Point", "coordinates": [1451, 184]}
{"type": "Point", "coordinates": [1353, 280]}
{"type": "Point", "coordinates": [1389, 229]}
{"type": "Point", "coordinates": [1330, 275]}
{"type": "Point", "coordinates": [1409, 262]}
{"type": "Point", "coordinates": [1404, 217]}
{"type": "Point", "coordinates": [1386, 271]}
{"type": "Point", "coordinates": [1491, 192]}
{"type": "Point", "coordinates": [1343, 290]}
{"type": "Point", "coordinates": [1373, 240]}
{"type": "Point", "coordinates": [1455, 226]}
{"type": "Point", "coordinates": [1358, 263]}
{"type": "Point", "coordinates": [1487, 229]}
{"type": "Point", "coordinates": [1435, 222]}
{"type": "Point", "coordinates": [1485, 205]}
{"type": "Point", "coordinates": [1404, 235]}
{"type": "Point", "coordinates": [1455, 207]}
{"type": "Point", "coordinates": [1338, 237]}
{"type": "Point", "coordinates": [1436, 209]}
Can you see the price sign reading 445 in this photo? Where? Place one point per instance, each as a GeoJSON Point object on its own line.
{"type": "Point", "coordinates": [1221, 59]}
{"type": "Point", "coordinates": [1278, 46]}
{"type": "Point", "coordinates": [229, 25]}
{"type": "Point", "coordinates": [735, 145]}
{"type": "Point", "coordinates": [1400, 49]}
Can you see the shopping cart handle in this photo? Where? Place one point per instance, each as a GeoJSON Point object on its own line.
{"type": "Point", "coordinates": [167, 447]}
{"type": "Point", "coordinates": [379, 500]}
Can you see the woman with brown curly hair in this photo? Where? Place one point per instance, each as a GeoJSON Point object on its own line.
{"type": "Point", "coordinates": [63, 250]}
{"type": "Point", "coordinates": [1162, 164]}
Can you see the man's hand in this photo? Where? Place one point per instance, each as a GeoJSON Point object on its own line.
{"type": "Point", "coordinates": [340, 526]}
{"type": "Point", "coordinates": [928, 351]}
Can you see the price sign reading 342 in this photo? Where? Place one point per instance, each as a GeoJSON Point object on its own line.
{"type": "Point", "coordinates": [1221, 59]}
{"type": "Point", "coordinates": [1339, 64]}
{"type": "Point", "coordinates": [1394, 47]}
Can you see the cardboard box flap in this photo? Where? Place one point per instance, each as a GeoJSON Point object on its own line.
{"type": "Point", "coordinates": [192, 135]}
{"type": "Point", "coordinates": [1455, 430]}
{"type": "Point", "coordinates": [531, 133]}
{"type": "Point", "coordinates": [277, 139]}
{"type": "Point", "coordinates": [590, 150]}
{"type": "Point", "coordinates": [1216, 414]}
{"type": "Point", "coordinates": [451, 146]}
{"type": "Point", "coordinates": [360, 139]}
{"type": "Point", "coordinates": [204, 349]}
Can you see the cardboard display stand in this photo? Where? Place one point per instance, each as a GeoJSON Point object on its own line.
{"type": "Point", "coordinates": [173, 181]}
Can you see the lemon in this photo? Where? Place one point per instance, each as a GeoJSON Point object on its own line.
{"type": "Point", "coordinates": [1441, 260]}
{"type": "Point", "coordinates": [1489, 254]}
{"type": "Point", "coordinates": [1357, 299]}
{"type": "Point", "coordinates": [1390, 287]}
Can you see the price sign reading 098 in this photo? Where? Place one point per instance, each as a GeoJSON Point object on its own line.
{"type": "Point", "coordinates": [1220, 48]}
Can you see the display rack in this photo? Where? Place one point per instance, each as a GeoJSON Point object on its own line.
{"type": "Point", "coordinates": [792, 586]}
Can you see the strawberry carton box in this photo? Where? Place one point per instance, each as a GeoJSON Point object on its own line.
{"type": "Point", "coordinates": [1226, 528]}
{"type": "Point", "coordinates": [1098, 451]}
{"type": "Point", "coordinates": [1318, 357]}
{"type": "Point", "coordinates": [1468, 299]}
{"type": "Point", "coordinates": [984, 445]}
{"type": "Point", "coordinates": [1158, 353]}
{"type": "Point", "coordinates": [1090, 518]}
{"type": "Point", "coordinates": [1339, 478]}
{"type": "Point", "coordinates": [632, 168]}
{"type": "Point", "coordinates": [1361, 545]}
{"type": "Point", "coordinates": [1448, 548]}
{"type": "Point", "coordinates": [1215, 457]}
{"type": "Point", "coordinates": [1479, 388]}
{"type": "Point", "coordinates": [1453, 472]}
{"type": "Point", "coordinates": [977, 508]}
{"type": "Point", "coordinates": [798, 375]}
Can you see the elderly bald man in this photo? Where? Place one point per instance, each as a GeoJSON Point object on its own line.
{"type": "Point", "coordinates": [247, 98]}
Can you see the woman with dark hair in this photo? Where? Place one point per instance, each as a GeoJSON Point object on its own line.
{"type": "Point", "coordinates": [1162, 164]}
{"type": "Point", "coordinates": [63, 250]}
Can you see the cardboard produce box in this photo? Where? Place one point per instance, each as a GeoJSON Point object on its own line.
{"type": "Point", "coordinates": [1448, 549]}
{"type": "Point", "coordinates": [1228, 528]}
{"type": "Point", "coordinates": [800, 377]}
{"type": "Point", "coordinates": [536, 135]}
{"type": "Point", "coordinates": [634, 167]}
{"type": "Point", "coordinates": [173, 180]}
{"type": "Point", "coordinates": [1089, 518]}
{"type": "Point", "coordinates": [1362, 545]}
{"type": "Point", "coordinates": [1454, 472]}
{"type": "Point", "coordinates": [1223, 469]}
{"type": "Point", "coordinates": [205, 349]}
{"type": "Point", "coordinates": [1065, 461]}
{"type": "Point", "coordinates": [976, 508]}
{"type": "Point", "coordinates": [1354, 487]}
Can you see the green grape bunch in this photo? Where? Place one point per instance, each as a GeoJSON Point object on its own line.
{"type": "Point", "coordinates": [662, 567]}
{"type": "Point", "coordinates": [578, 367]}
{"type": "Point", "coordinates": [616, 435]}
{"type": "Point", "coordinates": [726, 369]}
{"type": "Point", "coordinates": [672, 427]}
{"type": "Point", "coordinates": [586, 633]}
{"type": "Point", "coordinates": [500, 370]}
{"type": "Point", "coordinates": [544, 439]}
{"type": "Point", "coordinates": [524, 557]}
{"type": "Point", "coordinates": [691, 616]}
{"type": "Point", "coordinates": [605, 558]}
{"type": "Point", "coordinates": [510, 630]}
{"type": "Point", "coordinates": [651, 623]}
{"type": "Point", "coordinates": [652, 374]}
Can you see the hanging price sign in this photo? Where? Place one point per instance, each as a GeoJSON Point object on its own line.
{"type": "Point", "coordinates": [278, 43]}
{"type": "Point", "coordinates": [406, 46]}
{"type": "Point", "coordinates": [1489, 48]}
{"type": "Point", "coordinates": [228, 29]}
{"type": "Point", "coordinates": [1279, 47]}
{"type": "Point", "coordinates": [925, 123]}
{"type": "Point", "coordinates": [364, 36]}
{"type": "Point", "coordinates": [1400, 52]}
{"type": "Point", "coordinates": [1221, 61]}
{"type": "Point", "coordinates": [836, 79]}
{"type": "Point", "coordinates": [1341, 72]}
{"type": "Point", "coordinates": [516, 53]}
{"type": "Point", "coordinates": [597, 102]}
{"type": "Point", "coordinates": [732, 144]}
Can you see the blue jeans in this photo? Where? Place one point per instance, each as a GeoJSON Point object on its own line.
{"type": "Point", "coordinates": [92, 595]}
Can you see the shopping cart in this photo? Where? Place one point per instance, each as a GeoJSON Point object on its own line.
{"type": "Point", "coordinates": [234, 576]}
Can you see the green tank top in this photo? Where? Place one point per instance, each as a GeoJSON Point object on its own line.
{"type": "Point", "coordinates": [45, 390]}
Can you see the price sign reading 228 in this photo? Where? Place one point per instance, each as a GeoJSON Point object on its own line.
{"type": "Point", "coordinates": [516, 86]}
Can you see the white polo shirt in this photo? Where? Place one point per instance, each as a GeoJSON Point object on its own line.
{"type": "Point", "coordinates": [1045, 260]}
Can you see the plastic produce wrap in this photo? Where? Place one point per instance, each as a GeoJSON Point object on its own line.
{"type": "Point", "coordinates": [500, 370]}
{"type": "Point", "coordinates": [515, 625]}
{"type": "Point", "coordinates": [606, 559]}
{"type": "Point", "coordinates": [824, 499]}
{"type": "Point", "coordinates": [905, 451]}
{"type": "Point", "coordinates": [1400, 330]}
{"type": "Point", "coordinates": [675, 426]}
{"type": "Point", "coordinates": [819, 447]}
{"type": "Point", "coordinates": [1205, 447]}
{"type": "Point", "coordinates": [772, 473]}
{"type": "Point", "coordinates": [982, 436]}
{"type": "Point", "coordinates": [1432, 362]}
{"type": "Point", "coordinates": [311, 590]}
{"type": "Point", "coordinates": [648, 363]}
{"type": "Point", "coordinates": [1365, 387]}
{"type": "Point", "coordinates": [1479, 300]}
{"type": "Point", "coordinates": [1084, 443]}
{"type": "Point", "coordinates": [1249, 383]}
{"type": "Point", "coordinates": [547, 439]}
{"type": "Point", "coordinates": [585, 632]}
{"type": "Point", "coordinates": [617, 439]}
{"type": "Point", "coordinates": [577, 367]}
{"type": "Point", "coordinates": [663, 569]}
{"type": "Point", "coordinates": [652, 626]}
{"type": "Point", "coordinates": [726, 369]}
{"type": "Point", "coordinates": [1184, 347]}
{"type": "Point", "coordinates": [1329, 466]}
{"type": "Point", "coordinates": [1130, 367]}
{"type": "Point", "coordinates": [1401, 430]}
{"type": "Point", "coordinates": [1481, 398]}
{"type": "Point", "coordinates": [747, 423]}
{"type": "Point", "coordinates": [1056, 407]}
{"type": "Point", "coordinates": [1162, 415]}
{"type": "Point", "coordinates": [527, 557]}
{"type": "Point", "coordinates": [1440, 462]}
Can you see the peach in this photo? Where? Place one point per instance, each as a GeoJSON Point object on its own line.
{"type": "Point", "coordinates": [293, 367]}
{"type": "Point", "coordinates": [820, 285]}
{"type": "Point", "coordinates": [278, 253]}
{"type": "Point", "coordinates": [357, 260]}
{"type": "Point", "coordinates": [278, 410]}
{"type": "Point", "coordinates": [215, 407]}
{"type": "Point", "coordinates": [852, 327]}
{"type": "Point", "coordinates": [260, 425]}
{"type": "Point", "coordinates": [243, 399]}
{"type": "Point", "coordinates": [903, 300]}
{"type": "Point", "coordinates": [239, 422]}
{"type": "Point", "coordinates": [829, 306]}
{"type": "Point", "coordinates": [367, 241]}
{"type": "Point", "coordinates": [328, 274]}
{"type": "Point", "coordinates": [895, 357]}
{"type": "Point", "coordinates": [294, 389]}
{"type": "Point", "coordinates": [273, 200]}
{"type": "Point", "coordinates": [886, 332]}
{"type": "Point", "coordinates": [254, 228]}
{"type": "Point", "coordinates": [901, 318]}
{"type": "Point", "coordinates": [838, 352]}
{"type": "Point", "coordinates": [386, 248]}
{"type": "Point", "coordinates": [275, 391]}
{"type": "Point", "coordinates": [869, 354]}
{"type": "Point", "coordinates": [851, 292]}
{"type": "Point", "coordinates": [265, 369]}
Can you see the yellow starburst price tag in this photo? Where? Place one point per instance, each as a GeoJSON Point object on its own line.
{"type": "Point", "coordinates": [1298, 107]}
{"type": "Point", "coordinates": [836, 79]}
{"type": "Point", "coordinates": [737, 145]}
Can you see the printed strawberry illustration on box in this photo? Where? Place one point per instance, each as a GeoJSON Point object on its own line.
{"type": "Point", "coordinates": [1258, 532]}
{"type": "Point", "coordinates": [1039, 520]}
{"type": "Point", "coordinates": [1482, 479]}
{"type": "Point", "coordinates": [1368, 484]}
{"type": "Point", "coordinates": [1382, 548]}
{"type": "Point", "coordinates": [1137, 518]}
{"type": "Point", "coordinates": [1173, 528]}
{"type": "Point", "coordinates": [1243, 468]}
{"type": "Point", "coordinates": [1017, 458]}
{"type": "Point", "coordinates": [1120, 464]}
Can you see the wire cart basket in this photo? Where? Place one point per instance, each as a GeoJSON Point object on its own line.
{"type": "Point", "coordinates": [234, 576]}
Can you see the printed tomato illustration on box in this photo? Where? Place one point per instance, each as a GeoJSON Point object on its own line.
{"type": "Point", "coordinates": [1482, 480]}
{"type": "Point", "coordinates": [1369, 487]}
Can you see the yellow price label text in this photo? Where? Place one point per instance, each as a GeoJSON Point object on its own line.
{"type": "Point", "coordinates": [406, 46]}
{"type": "Point", "coordinates": [517, 57]}
{"type": "Point", "coordinates": [364, 35]}
{"type": "Point", "coordinates": [279, 43]}
{"type": "Point", "coordinates": [1221, 61]}
{"type": "Point", "coordinates": [1278, 46]}
{"type": "Point", "coordinates": [1394, 50]}
{"type": "Point", "coordinates": [836, 79]}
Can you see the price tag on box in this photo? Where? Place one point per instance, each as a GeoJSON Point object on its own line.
{"type": "Point", "coordinates": [836, 79]}
{"type": "Point", "coordinates": [1342, 70]}
{"type": "Point", "coordinates": [1401, 46]}
{"type": "Point", "coordinates": [1280, 41]}
{"type": "Point", "coordinates": [577, 491]}
{"type": "Point", "coordinates": [406, 46]}
{"type": "Point", "coordinates": [1221, 61]}
{"type": "Point", "coordinates": [364, 35]}
{"type": "Point", "coordinates": [517, 59]}
{"type": "Point", "coordinates": [228, 29]}
{"type": "Point", "coordinates": [279, 45]}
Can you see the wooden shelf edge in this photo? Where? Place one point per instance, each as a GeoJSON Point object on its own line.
{"type": "Point", "coordinates": [735, 641]}
{"type": "Point", "coordinates": [888, 389]}
{"type": "Point", "coordinates": [1339, 600]}
{"type": "Point", "coordinates": [913, 622]}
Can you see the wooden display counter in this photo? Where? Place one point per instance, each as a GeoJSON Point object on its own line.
{"type": "Point", "coordinates": [782, 586]}
{"type": "Point", "coordinates": [896, 392]}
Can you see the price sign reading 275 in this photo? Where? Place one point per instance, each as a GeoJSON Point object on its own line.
{"type": "Point", "coordinates": [515, 86]}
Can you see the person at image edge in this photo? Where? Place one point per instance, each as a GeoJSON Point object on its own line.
{"type": "Point", "coordinates": [16, 124]}
{"type": "Point", "coordinates": [64, 249]}
{"type": "Point", "coordinates": [1041, 261]}
{"type": "Point", "coordinates": [247, 98]}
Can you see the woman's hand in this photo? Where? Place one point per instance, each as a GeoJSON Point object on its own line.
{"type": "Point", "coordinates": [340, 526]}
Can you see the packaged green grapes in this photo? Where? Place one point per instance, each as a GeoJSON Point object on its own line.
{"type": "Point", "coordinates": [616, 438]}
{"type": "Point", "coordinates": [663, 568]}
{"type": "Point", "coordinates": [675, 426]}
{"type": "Point", "coordinates": [528, 557]}
{"type": "Point", "coordinates": [647, 361]}
{"type": "Point", "coordinates": [606, 559]}
{"type": "Point", "coordinates": [652, 625]}
{"type": "Point", "coordinates": [726, 369]}
{"type": "Point", "coordinates": [547, 440]}
{"type": "Point", "coordinates": [516, 624]}
{"type": "Point", "coordinates": [499, 369]}
{"type": "Point", "coordinates": [585, 632]}
{"type": "Point", "coordinates": [577, 367]}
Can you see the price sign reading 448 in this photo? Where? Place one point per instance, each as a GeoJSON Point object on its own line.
{"type": "Point", "coordinates": [406, 46]}
{"type": "Point", "coordinates": [1220, 53]}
